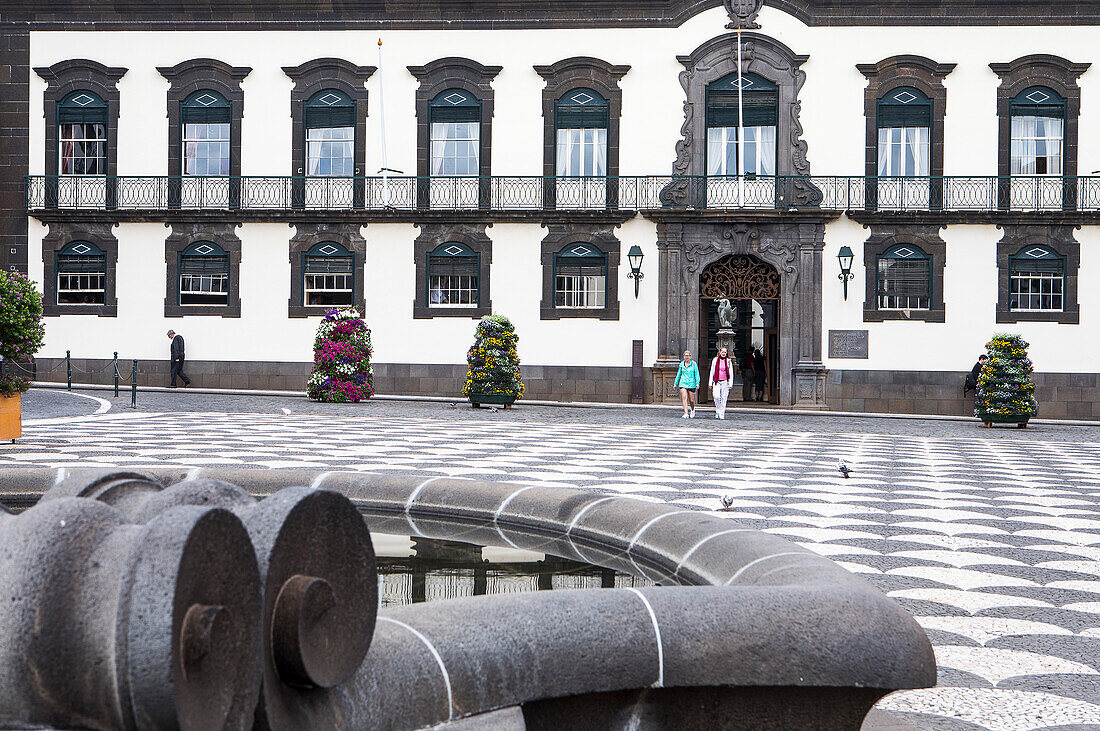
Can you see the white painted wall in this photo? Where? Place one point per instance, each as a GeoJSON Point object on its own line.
{"type": "Point", "coordinates": [832, 117]}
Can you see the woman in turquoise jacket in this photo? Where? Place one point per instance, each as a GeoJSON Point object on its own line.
{"type": "Point", "coordinates": [687, 380]}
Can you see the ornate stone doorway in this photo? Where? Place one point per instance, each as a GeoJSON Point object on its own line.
{"type": "Point", "coordinates": [739, 310]}
{"type": "Point", "coordinates": [790, 247]}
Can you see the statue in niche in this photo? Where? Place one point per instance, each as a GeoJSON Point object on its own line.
{"type": "Point", "coordinates": [743, 13]}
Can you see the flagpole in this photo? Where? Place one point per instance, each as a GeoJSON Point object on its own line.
{"type": "Point", "coordinates": [740, 129]}
{"type": "Point", "coordinates": [382, 129]}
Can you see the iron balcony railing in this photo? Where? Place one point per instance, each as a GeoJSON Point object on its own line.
{"type": "Point", "coordinates": [517, 193]}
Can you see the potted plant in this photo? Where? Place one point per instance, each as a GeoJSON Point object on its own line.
{"type": "Point", "coordinates": [342, 371]}
{"type": "Point", "coordinates": [21, 335]}
{"type": "Point", "coordinates": [1005, 392]}
{"type": "Point", "coordinates": [493, 375]}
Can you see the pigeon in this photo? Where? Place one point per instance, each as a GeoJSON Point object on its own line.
{"type": "Point", "coordinates": [843, 469]}
{"type": "Point", "coordinates": [494, 409]}
{"type": "Point", "coordinates": [453, 405]}
{"type": "Point", "coordinates": [286, 412]}
{"type": "Point", "coordinates": [727, 502]}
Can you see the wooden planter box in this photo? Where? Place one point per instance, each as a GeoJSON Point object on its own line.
{"type": "Point", "coordinates": [11, 417]}
{"type": "Point", "coordinates": [990, 419]}
{"type": "Point", "coordinates": [495, 399]}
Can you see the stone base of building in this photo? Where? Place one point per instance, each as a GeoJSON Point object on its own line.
{"type": "Point", "coordinates": [1060, 395]}
{"type": "Point", "coordinates": [550, 383]}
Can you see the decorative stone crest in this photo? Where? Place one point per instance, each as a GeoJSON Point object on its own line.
{"type": "Point", "coordinates": [743, 13]}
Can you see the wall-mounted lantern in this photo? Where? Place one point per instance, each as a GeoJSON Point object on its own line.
{"type": "Point", "coordinates": [635, 256]}
{"type": "Point", "coordinates": [845, 257]}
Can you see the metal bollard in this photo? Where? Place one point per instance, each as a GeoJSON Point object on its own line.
{"type": "Point", "coordinates": [68, 370]}
{"type": "Point", "coordinates": [116, 374]}
{"type": "Point", "coordinates": [133, 386]}
{"type": "Point", "coordinates": [317, 570]}
{"type": "Point", "coordinates": [124, 626]}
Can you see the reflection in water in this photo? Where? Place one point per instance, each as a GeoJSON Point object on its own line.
{"type": "Point", "coordinates": [427, 569]}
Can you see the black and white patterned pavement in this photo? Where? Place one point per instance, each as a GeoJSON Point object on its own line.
{"type": "Point", "coordinates": [993, 544]}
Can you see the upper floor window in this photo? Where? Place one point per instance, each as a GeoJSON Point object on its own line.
{"type": "Point", "coordinates": [455, 134]}
{"type": "Point", "coordinates": [82, 134]}
{"type": "Point", "coordinates": [330, 134]}
{"type": "Point", "coordinates": [581, 119]}
{"type": "Point", "coordinates": [1038, 120]}
{"type": "Point", "coordinates": [904, 132]}
{"type": "Point", "coordinates": [453, 276]}
{"type": "Point", "coordinates": [81, 274]}
{"type": "Point", "coordinates": [904, 279]}
{"type": "Point", "coordinates": [1038, 278]}
{"type": "Point", "coordinates": [758, 99]}
{"type": "Point", "coordinates": [204, 275]}
{"type": "Point", "coordinates": [580, 277]}
{"type": "Point", "coordinates": [205, 119]}
{"type": "Point", "coordinates": [328, 276]}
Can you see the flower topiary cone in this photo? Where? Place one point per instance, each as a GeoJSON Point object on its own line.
{"type": "Point", "coordinates": [493, 374]}
{"type": "Point", "coordinates": [1005, 392]}
{"type": "Point", "coordinates": [341, 359]}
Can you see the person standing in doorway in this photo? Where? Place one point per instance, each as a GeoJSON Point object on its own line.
{"type": "Point", "coordinates": [177, 359]}
{"type": "Point", "coordinates": [761, 375]}
{"type": "Point", "coordinates": [748, 375]}
{"type": "Point", "coordinates": [721, 378]}
{"type": "Point", "coordinates": [687, 380]}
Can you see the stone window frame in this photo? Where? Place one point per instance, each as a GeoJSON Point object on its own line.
{"type": "Point", "coordinates": [81, 74]}
{"type": "Point", "coordinates": [881, 240]}
{"type": "Point", "coordinates": [770, 59]}
{"type": "Point", "coordinates": [1058, 74]}
{"type": "Point", "coordinates": [558, 237]}
{"type": "Point", "coordinates": [453, 72]}
{"type": "Point", "coordinates": [308, 235]}
{"type": "Point", "coordinates": [919, 73]}
{"type": "Point", "coordinates": [60, 235]}
{"type": "Point", "coordinates": [315, 76]}
{"type": "Point", "coordinates": [1060, 239]}
{"type": "Point", "coordinates": [433, 235]}
{"type": "Point", "coordinates": [562, 77]}
{"type": "Point", "coordinates": [182, 236]}
{"type": "Point", "coordinates": [185, 78]}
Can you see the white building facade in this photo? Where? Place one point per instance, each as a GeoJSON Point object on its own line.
{"type": "Point", "coordinates": [233, 178]}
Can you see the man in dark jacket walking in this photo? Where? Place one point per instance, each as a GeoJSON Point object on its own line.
{"type": "Point", "coordinates": [177, 359]}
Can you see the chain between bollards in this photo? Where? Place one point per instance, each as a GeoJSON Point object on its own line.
{"type": "Point", "coordinates": [133, 387]}
{"type": "Point", "coordinates": [68, 370]}
{"type": "Point", "coordinates": [116, 374]}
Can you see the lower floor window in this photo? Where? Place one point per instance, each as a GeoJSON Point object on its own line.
{"type": "Point", "coordinates": [1037, 281]}
{"type": "Point", "coordinates": [81, 275]}
{"type": "Point", "coordinates": [204, 275]}
{"type": "Point", "coordinates": [453, 276]}
{"type": "Point", "coordinates": [904, 279]}
{"type": "Point", "coordinates": [580, 277]}
{"type": "Point", "coordinates": [329, 276]}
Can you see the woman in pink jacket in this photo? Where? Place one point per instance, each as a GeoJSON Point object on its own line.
{"type": "Point", "coordinates": [721, 378]}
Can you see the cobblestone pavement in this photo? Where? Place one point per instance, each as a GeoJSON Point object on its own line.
{"type": "Point", "coordinates": [990, 538]}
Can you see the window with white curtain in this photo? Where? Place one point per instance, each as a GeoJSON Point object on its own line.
{"type": "Point", "coordinates": [330, 134]}
{"type": "Point", "coordinates": [1036, 145]}
{"type": "Point", "coordinates": [580, 277]}
{"type": "Point", "coordinates": [581, 119]}
{"type": "Point", "coordinates": [757, 99]}
{"type": "Point", "coordinates": [759, 150]}
{"type": "Point", "coordinates": [582, 152]}
{"type": "Point", "coordinates": [455, 134]}
{"type": "Point", "coordinates": [1038, 119]}
{"type": "Point", "coordinates": [903, 151]}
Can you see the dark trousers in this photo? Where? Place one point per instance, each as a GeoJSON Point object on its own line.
{"type": "Point", "coordinates": [746, 387]}
{"type": "Point", "coordinates": [177, 370]}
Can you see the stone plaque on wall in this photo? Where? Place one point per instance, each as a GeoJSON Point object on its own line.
{"type": "Point", "coordinates": [848, 344]}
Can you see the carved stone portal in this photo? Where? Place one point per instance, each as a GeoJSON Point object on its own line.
{"type": "Point", "coordinates": [779, 259]}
